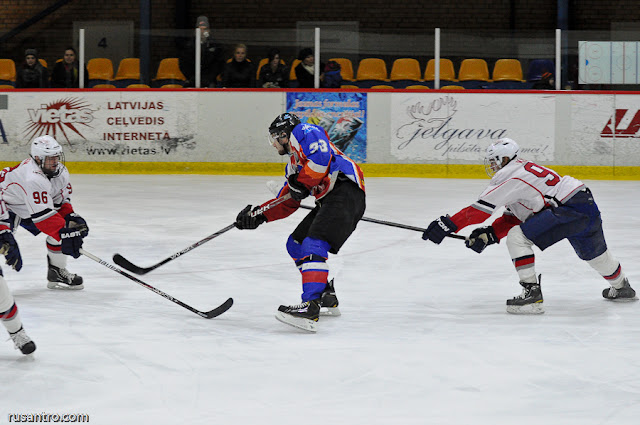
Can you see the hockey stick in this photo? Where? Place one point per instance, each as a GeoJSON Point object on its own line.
{"type": "Point", "coordinates": [392, 224]}
{"type": "Point", "coordinates": [206, 314]}
{"type": "Point", "coordinates": [272, 185]}
{"type": "Point", "coordinates": [128, 265]}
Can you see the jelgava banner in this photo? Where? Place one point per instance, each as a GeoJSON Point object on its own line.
{"type": "Point", "coordinates": [105, 126]}
{"type": "Point", "coordinates": [446, 126]}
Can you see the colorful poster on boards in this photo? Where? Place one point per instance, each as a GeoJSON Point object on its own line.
{"type": "Point", "coordinates": [342, 115]}
{"type": "Point", "coordinates": [140, 126]}
{"type": "Point", "coordinates": [445, 126]}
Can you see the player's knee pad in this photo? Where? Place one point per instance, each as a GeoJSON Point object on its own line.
{"type": "Point", "coordinates": [6, 299]}
{"type": "Point", "coordinates": [294, 249]}
{"type": "Point", "coordinates": [518, 244]}
{"type": "Point", "coordinates": [315, 246]}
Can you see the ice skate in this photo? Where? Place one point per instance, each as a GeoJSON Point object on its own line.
{"type": "Point", "coordinates": [529, 301]}
{"type": "Point", "coordinates": [61, 278]}
{"type": "Point", "coordinates": [303, 316]}
{"type": "Point", "coordinates": [329, 301]}
{"type": "Point", "coordinates": [626, 293]}
{"type": "Point", "coordinates": [22, 341]}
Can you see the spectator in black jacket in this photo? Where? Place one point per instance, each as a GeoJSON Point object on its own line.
{"type": "Point", "coordinates": [239, 72]}
{"type": "Point", "coordinates": [305, 69]}
{"type": "Point", "coordinates": [274, 74]}
{"type": "Point", "coordinates": [31, 73]}
{"type": "Point", "coordinates": [211, 59]}
{"type": "Point", "coordinates": [65, 73]}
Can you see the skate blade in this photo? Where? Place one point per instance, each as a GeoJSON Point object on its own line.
{"type": "Point", "coordinates": [536, 308]}
{"type": "Point", "coordinates": [622, 300]}
{"type": "Point", "coordinates": [58, 285]}
{"type": "Point", "coordinates": [330, 311]}
{"type": "Point", "coordinates": [296, 322]}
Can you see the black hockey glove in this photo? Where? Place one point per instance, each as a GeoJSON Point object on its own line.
{"type": "Point", "coordinates": [438, 229]}
{"type": "Point", "coordinates": [71, 241]}
{"type": "Point", "coordinates": [74, 221]}
{"type": "Point", "coordinates": [9, 248]}
{"type": "Point", "coordinates": [298, 190]}
{"type": "Point", "coordinates": [480, 238]}
{"type": "Point", "coordinates": [245, 221]}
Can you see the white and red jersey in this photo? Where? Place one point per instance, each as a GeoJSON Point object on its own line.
{"type": "Point", "coordinates": [524, 188]}
{"type": "Point", "coordinates": [27, 192]}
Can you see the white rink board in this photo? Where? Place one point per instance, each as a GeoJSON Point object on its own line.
{"type": "Point", "coordinates": [562, 128]}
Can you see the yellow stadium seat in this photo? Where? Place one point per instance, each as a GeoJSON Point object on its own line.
{"type": "Point", "coordinates": [405, 69]}
{"type": "Point", "coordinates": [381, 86]}
{"type": "Point", "coordinates": [417, 87]}
{"type": "Point", "coordinates": [169, 69]}
{"type": "Point", "coordinates": [473, 69]}
{"type": "Point", "coordinates": [172, 86]}
{"type": "Point", "coordinates": [372, 69]}
{"type": "Point", "coordinates": [100, 69]}
{"type": "Point", "coordinates": [292, 73]}
{"type": "Point", "coordinates": [7, 70]}
{"type": "Point", "coordinates": [346, 68]}
{"type": "Point", "coordinates": [452, 87]}
{"type": "Point", "coordinates": [128, 69]}
{"type": "Point", "coordinates": [6, 87]}
{"type": "Point", "coordinates": [348, 86]}
{"type": "Point", "coordinates": [446, 70]}
{"type": "Point", "coordinates": [104, 86]}
{"type": "Point", "coordinates": [43, 62]}
{"type": "Point", "coordinates": [138, 86]}
{"type": "Point", "coordinates": [507, 70]}
{"type": "Point", "coordinates": [262, 63]}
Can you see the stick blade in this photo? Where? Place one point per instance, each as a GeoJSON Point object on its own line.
{"type": "Point", "coordinates": [220, 309]}
{"type": "Point", "coordinates": [128, 265]}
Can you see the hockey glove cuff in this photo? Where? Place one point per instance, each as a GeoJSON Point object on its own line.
{"type": "Point", "coordinates": [298, 190]}
{"type": "Point", "coordinates": [9, 248]}
{"type": "Point", "coordinates": [74, 221]}
{"type": "Point", "coordinates": [439, 229]}
{"type": "Point", "coordinates": [480, 238]}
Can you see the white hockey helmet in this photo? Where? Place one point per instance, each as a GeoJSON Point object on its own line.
{"type": "Point", "coordinates": [493, 159]}
{"type": "Point", "coordinates": [44, 147]}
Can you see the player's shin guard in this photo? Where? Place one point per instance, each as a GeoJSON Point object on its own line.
{"type": "Point", "coordinates": [521, 251]}
{"type": "Point", "coordinates": [610, 269]}
{"type": "Point", "coordinates": [8, 309]}
{"type": "Point", "coordinates": [58, 276]}
{"type": "Point", "coordinates": [314, 268]}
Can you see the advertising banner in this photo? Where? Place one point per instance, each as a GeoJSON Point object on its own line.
{"type": "Point", "coordinates": [444, 127]}
{"type": "Point", "coordinates": [105, 126]}
{"type": "Point", "coordinates": [342, 115]}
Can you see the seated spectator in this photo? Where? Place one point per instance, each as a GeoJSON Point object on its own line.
{"type": "Point", "coordinates": [239, 72]}
{"type": "Point", "coordinates": [274, 74]}
{"type": "Point", "coordinates": [65, 73]}
{"type": "Point", "coordinates": [31, 74]}
{"type": "Point", "coordinates": [305, 69]}
{"type": "Point", "coordinates": [546, 82]}
{"type": "Point", "coordinates": [211, 57]}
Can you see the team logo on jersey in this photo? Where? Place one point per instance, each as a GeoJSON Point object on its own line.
{"type": "Point", "coordinates": [627, 124]}
{"type": "Point", "coordinates": [59, 119]}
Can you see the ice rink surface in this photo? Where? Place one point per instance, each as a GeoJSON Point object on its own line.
{"type": "Point", "coordinates": [423, 337]}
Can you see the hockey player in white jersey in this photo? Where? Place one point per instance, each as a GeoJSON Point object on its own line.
{"type": "Point", "coordinates": [8, 309]}
{"type": "Point", "coordinates": [542, 208]}
{"type": "Point", "coordinates": [37, 193]}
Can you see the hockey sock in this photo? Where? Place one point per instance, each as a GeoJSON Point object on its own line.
{"type": "Point", "coordinates": [54, 253]}
{"type": "Point", "coordinates": [609, 268]}
{"type": "Point", "coordinates": [521, 251]}
{"type": "Point", "coordinates": [314, 268]}
{"type": "Point", "coordinates": [8, 309]}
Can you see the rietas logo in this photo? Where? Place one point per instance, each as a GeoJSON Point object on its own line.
{"type": "Point", "coordinates": [627, 124]}
{"type": "Point", "coordinates": [59, 119]}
